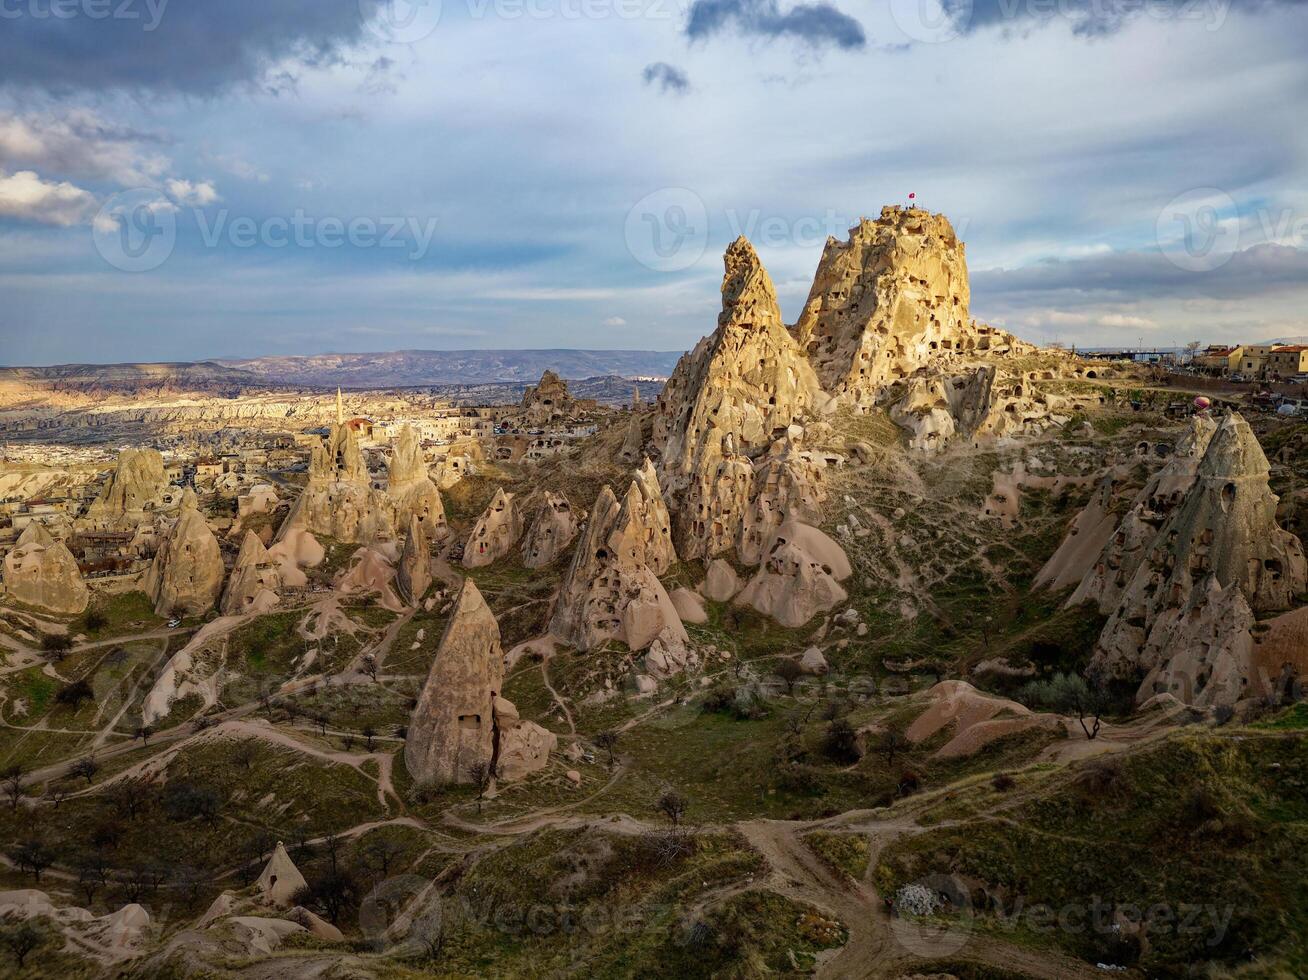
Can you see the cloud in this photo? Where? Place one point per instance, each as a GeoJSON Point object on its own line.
{"type": "Point", "coordinates": [79, 143]}
{"type": "Point", "coordinates": [615, 321]}
{"type": "Point", "coordinates": [25, 196]}
{"type": "Point", "coordinates": [1093, 18]}
{"type": "Point", "coordinates": [195, 195]}
{"type": "Point", "coordinates": [817, 24]}
{"type": "Point", "coordinates": [668, 77]}
{"type": "Point", "coordinates": [189, 47]}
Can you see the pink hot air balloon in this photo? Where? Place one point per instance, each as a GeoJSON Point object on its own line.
{"type": "Point", "coordinates": [912, 197]}
{"type": "Point", "coordinates": [1202, 403]}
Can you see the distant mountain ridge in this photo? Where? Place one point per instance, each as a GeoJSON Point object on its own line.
{"type": "Point", "coordinates": [460, 367]}
{"type": "Point", "coordinates": [388, 369]}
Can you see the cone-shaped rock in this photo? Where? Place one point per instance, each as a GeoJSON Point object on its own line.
{"type": "Point", "coordinates": [413, 576]}
{"type": "Point", "coordinates": [495, 533]}
{"type": "Point", "coordinates": [255, 581]}
{"type": "Point", "coordinates": [411, 489]}
{"type": "Point", "coordinates": [1221, 538]}
{"type": "Point", "coordinates": [280, 879]}
{"type": "Point", "coordinates": [135, 485]}
{"type": "Point", "coordinates": [552, 527]}
{"type": "Point", "coordinates": [453, 725]}
{"type": "Point", "coordinates": [186, 576]}
{"type": "Point", "coordinates": [41, 572]}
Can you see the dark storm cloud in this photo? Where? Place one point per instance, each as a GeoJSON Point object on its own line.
{"type": "Point", "coordinates": [1095, 17]}
{"type": "Point", "coordinates": [667, 77]}
{"type": "Point", "coordinates": [817, 24]}
{"type": "Point", "coordinates": [191, 46]}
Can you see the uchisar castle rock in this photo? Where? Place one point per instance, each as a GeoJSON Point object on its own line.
{"type": "Point", "coordinates": [883, 610]}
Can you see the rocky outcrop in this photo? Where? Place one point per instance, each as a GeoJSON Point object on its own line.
{"type": "Point", "coordinates": [549, 401]}
{"type": "Point", "coordinates": [1185, 613]}
{"type": "Point", "coordinates": [186, 576]}
{"type": "Point", "coordinates": [413, 576]}
{"type": "Point", "coordinates": [42, 573]}
{"type": "Point", "coordinates": [789, 483]}
{"type": "Point", "coordinates": [339, 500]}
{"type": "Point", "coordinates": [611, 591]}
{"type": "Point", "coordinates": [524, 746]}
{"type": "Point", "coordinates": [413, 494]}
{"type": "Point", "coordinates": [552, 528]}
{"type": "Point", "coordinates": [255, 581]}
{"type": "Point", "coordinates": [453, 725]}
{"type": "Point", "coordinates": [633, 443]}
{"type": "Point", "coordinates": [727, 401]}
{"type": "Point", "coordinates": [1112, 568]}
{"type": "Point", "coordinates": [495, 533]}
{"type": "Point", "coordinates": [800, 576]}
{"type": "Point", "coordinates": [136, 485]}
{"type": "Point", "coordinates": [891, 299]}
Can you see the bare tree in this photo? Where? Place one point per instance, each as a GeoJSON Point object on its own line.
{"type": "Point", "coordinates": [368, 665]}
{"type": "Point", "coordinates": [672, 805]}
{"type": "Point", "coordinates": [12, 781]}
{"type": "Point", "coordinates": [245, 753]}
{"type": "Point", "coordinates": [893, 741]}
{"type": "Point", "coordinates": [32, 855]}
{"type": "Point", "coordinates": [480, 773]}
{"type": "Point", "coordinates": [608, 741]}
{"type": "Point", "coordinates": [143, 733]}
{"type": "Point", "coordinates": [20, 937]}
{"type": "Point", "coordinates": [789, 671]}
{"type": "Point", "coordinates": [85, 769]}
{"type": "Point", "coordinates": [369, 733]}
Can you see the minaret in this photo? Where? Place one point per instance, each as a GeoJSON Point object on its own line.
{"type": "Point", "coordinates": [340, 409]}
{"type": "Point", "coordinates": [635, 397]}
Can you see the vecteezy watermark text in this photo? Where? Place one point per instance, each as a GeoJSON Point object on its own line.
{"type": "Point", "coordinates": [137, 230]}
{"type": "Point", "coordinates": [149, 12]}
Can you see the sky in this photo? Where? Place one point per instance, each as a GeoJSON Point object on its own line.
{"type": "Point", "coordinates": [184, 179]}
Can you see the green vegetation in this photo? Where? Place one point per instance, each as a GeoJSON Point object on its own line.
{"type": "Point", "coordinates": [1200, 822]}
{"type": "Point", "coordinates": [845, 853]}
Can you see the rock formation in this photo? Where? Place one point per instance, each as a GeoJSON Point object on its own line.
{"type": "Point", "coordinates": [633, 443]}
{"type": "Point", "coordinates": [339, 500]}
{"type": "Point", "coordinates": [412, 492]}
{"type": "Point", "coordinates": [552, 527]}
{"type": "Point", "coordinates": [800, 576]}
{"type": "Point", "coordinates": [549, 401]}
{"type": "Point", "coordinates": [413, 576]}
{"type": "Point", "coordinates": [727, 401]}
{"type": "Point", "coordinates": [788, 484]}
{"type": "Point", "coordinates": [891, 299]}
{"type": "Point", "coordinates": [136, 485]}
{"type": "Point", "coordinates": [255, 581]}
{"type": "Point", "coordinates": [280, 879]}
{"type": "Point", "coordinates": [1110, 568]}
{"type": "Point", "coordinates": [186, 576]}
{"type": "Point", "coordinates": [495, 533]}
{"type": "Point", "coordinates": [611, 591]}
{"type": "Point", "coordinates": [1185, 614]}
{"type": "Point", "coordinates": [460, 720]}
{"type": "Point", "coordinates": [42, 573]}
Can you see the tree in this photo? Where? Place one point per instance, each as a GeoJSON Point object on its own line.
{"type": "Point", "coordinates": [381, 852]}
{"type": "Point", "coordinates": [892, 742]}
{"type": "Point", "coordinates": [789, 671]}
{"type": "Point", "coordinates": [480, 773]}
{"type": "Point", "coordinates": [245, 753]}
{"type": "Point", "coordinates": [95, 619]}
{"type": "Point", "coordinates": [368, 665]}
{"type": "Point", "coordinates": [143, 733]}
{"type": "Point", "coordinates": [672, 805]}
{"type": "Point", "coordinates": [20, 937]}
{"type": "Point", "coordinates": [56, 793]}
{"type": "Point", "coordinates": [74, 694]}
{"type": "Point", "coordinates": [85, 769]}
{"type": "Point", "coordinates": [1070, 694]}
{"type": "Point", "coordinates": [331, 893]}
{"type": "Point", "coordinates": [184, 801]}
{"type": "Point", "coordinates": [32, 855]}
{"type": "Point", "coordinates": [608, 741]}
{"type": "Point", "coordinates": [55, 646]}
{"type": "Point", "coordinates": [369, 733]}
{"type": "Point", "coordinates": [12, 781]}
{"type": "Point", "coordinates": [841, 741]}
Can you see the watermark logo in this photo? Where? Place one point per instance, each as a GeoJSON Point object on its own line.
{"type": "Point", "coordinates": [135, 230]}
{"type": "Point", "coordinates": [667, 231]}
{"type": "Point", "coordinates": [1199, 231]}
{"type": "Point", "coordinates": [401, 21]}
{"type": "Point", "coordinates": [402, 914]}
{"type": "Point", "coordinates": [931, 21]}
